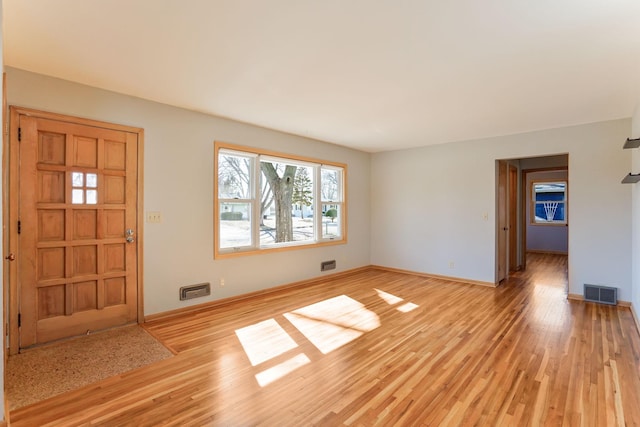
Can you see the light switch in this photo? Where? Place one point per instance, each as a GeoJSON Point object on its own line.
{"type": "Point", "coordinates": [154, 217]}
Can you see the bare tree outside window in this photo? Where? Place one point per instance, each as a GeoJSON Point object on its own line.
{"type": "Point", "coordinates": [234, 177]}
{"type": "Point", "coordinates": [265, 201]}
{"type": "Point", "coordinates": [282, 188]}
{"type": "Point", "coordinates": [234, 181]}
{"type": "Point", "coordinates": [329, 186]}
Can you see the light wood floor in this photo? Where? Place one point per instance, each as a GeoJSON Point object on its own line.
{"type": "Point", "coordinates": [381, 348]}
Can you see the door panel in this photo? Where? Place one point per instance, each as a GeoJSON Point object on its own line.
{"type": "Point", "coordinates": [513, 218]}
{"type": "Point", "coordinates": [78, 195]}
{"type": "Point", "coordinates": [502, 221]}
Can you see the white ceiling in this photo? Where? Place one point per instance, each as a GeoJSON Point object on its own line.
{"type": "Point", "coordinates": [373, 75]}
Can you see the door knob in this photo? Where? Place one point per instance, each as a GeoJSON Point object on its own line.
{"type": "Point", "coordinates": [10, 257]}
{"type": "Point", "coordinates": [129, 232]}
{"type": "Point", "coordinates": [130, 239]}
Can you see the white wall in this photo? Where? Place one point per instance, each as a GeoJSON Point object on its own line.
{"type": "Point", "coordinates": [178, 182]}
{"type": "Point", "coordinates": [635, 133]}
{"type": "Point", "coordinates": [428, 204]}
{"type": "Point", "coordinates": [426, 209]}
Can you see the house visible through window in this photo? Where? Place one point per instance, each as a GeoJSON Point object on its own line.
{"type": "Point", "coordinates": [266, 201]}
{"type": "Point", "coordinates": [549, 202]}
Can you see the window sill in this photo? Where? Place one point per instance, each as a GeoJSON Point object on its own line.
{"type": "Point", "coordinates": [245, 252]}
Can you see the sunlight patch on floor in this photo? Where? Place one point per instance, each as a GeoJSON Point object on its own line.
{"type": "Point", "coordinates": [387, 297]}
{"type": "Point", "coordinates": [334, 322]}
{"type": "Point", "coordinates": [274, 373]}
{"type": "Point", "coordinates": [328, 325]}
{"type": "Point", "coordinates": [405, 308]}
{"type": "Point", "coordinates": [392, 300]}
{"type": "Point", "coordinates": [265, 340]}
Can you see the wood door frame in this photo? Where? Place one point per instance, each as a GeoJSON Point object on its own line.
{"type": "Point", "coordinates": [512, 212]}
{"type": "Point", "coordinates": [512, 219]}
{"type": "Point", "coordinates": [10, 221]}
{"type": "Point", "coordinates": [502, 183]}
{"type": "Point", "coordinates": [5, 215]}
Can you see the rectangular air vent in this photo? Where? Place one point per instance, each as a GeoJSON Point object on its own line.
{"type": "Point", "coordinates": [601, 294]}
{"type": "Point", "coordinates": [328, 265]}
{"type": "Point", "coordinates": [195, 291]}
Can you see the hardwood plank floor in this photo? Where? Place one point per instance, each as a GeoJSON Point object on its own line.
{"type": "Point", "coordinates": [380, 348]}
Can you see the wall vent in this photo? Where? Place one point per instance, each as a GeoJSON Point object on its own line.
{"type": "Point", "coordinates": [328, 265]}
{"type": "Point", "coordinates": [601, 294]}
{"type": "Point", "coordinates": [195, 291]}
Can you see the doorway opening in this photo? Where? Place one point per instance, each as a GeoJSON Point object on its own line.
{"type": "Point", "coordinates": [532, 210]}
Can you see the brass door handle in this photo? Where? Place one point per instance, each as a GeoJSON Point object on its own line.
{"type": "Point", "coordinates": [10, 257]}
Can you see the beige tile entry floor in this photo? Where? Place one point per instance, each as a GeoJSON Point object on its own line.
{"type": "Point", "coordinates": [39, 373]}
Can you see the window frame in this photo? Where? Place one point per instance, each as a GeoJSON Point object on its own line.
{"type": "Point", "coordinates": [255, 190]}
{"type": "Point", "coordinates": [534, 203]}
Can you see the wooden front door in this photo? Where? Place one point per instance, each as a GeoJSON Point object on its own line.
{"type": "Point", "coordinates": [77, 254]}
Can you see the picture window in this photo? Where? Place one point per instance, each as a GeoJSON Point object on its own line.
{"type": "Point", "coordinates": [269, 201]}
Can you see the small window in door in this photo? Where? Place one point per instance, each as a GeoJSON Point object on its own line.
{"type": "Point", "coordinates": [84, 188]}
